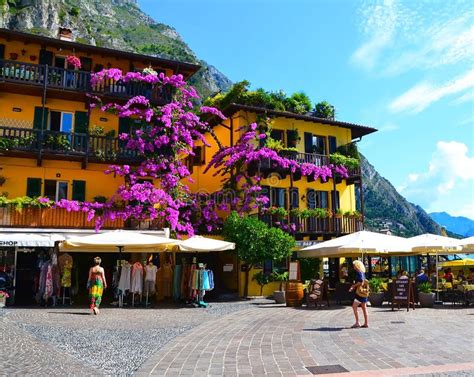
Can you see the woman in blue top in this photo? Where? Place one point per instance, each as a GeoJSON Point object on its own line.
{"type": "Point", "coordinates": [359, 301]}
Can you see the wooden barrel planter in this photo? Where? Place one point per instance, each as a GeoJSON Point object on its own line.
{"type": "Point", "coordinates": [294, 293]}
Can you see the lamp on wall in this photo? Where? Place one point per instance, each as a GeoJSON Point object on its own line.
{"type": "Point", "coordinates": [16, 110]}
{"type": "Point", "coordinates": [23, 52]}
{"type": "Point", "coordinates": [103, 119]}
{"type": "Point", "coordinates": [303, 197]}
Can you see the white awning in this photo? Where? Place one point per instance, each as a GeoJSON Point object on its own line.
{"type": "Point", "coordinates": [200, 244]}
{"type": "Point", "coordinates": [111, 242]}
{"type": "Point", "coordinates": [28, 240]}
{"type": "Point", "coordinates": [433, 243]}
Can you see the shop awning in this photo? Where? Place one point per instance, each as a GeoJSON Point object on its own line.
{"type": "Point", "coordinates": [467, 244]}
{"type": "Point", "coordinates": [201, 244]}
{"type": "Point", "coordinates": [355, 244]}
{"type": "Point", "coordinates": [127, 241]}
{"type": "Point", "coordinates": [433, 243]}
{"type": "Point", "coordinates": [28, 240]}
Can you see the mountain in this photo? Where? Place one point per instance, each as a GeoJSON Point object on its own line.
{"type": "Point", "coordinates": [459, 224]}
{"type": "Point", "coordinates": [111, 23]}
{"type": "Point", "coordinates": [386, 209]}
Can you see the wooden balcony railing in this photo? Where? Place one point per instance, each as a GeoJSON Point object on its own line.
{"type": "Point", "coordinates": [33, 217]}
{"type": "Point", "coordinates": [334, 225]}
{"type": "Point", "coordinates": [78, 81]}
{"type": "Point", "coordinates": [95, 148]}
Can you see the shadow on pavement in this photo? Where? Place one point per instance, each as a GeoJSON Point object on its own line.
{"type": "Point", "coordinates": [70, 313]}
{"type": "Point", "coordinates": [326, 329]}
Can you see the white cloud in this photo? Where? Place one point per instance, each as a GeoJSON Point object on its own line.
{"type": "Point", "coordinates": [390, 127]}
{"type": "Point", "coordinates": [379, 26]}
{"type": "Point", "coordinates": [466, 97]}
{"type": "Point", "coordinates": [448, 183]}
{"type": "Point", "coordinates": [423, 94]}
{"type": "Point", "coordinates": [401, 36]}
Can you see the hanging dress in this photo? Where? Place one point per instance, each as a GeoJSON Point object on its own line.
{"type": "Point", "coordinates": [96, 289]}
{"type": "Point", "coordinates": [137, 278]}
{"type": "Point", "coordinates": [124, 282]}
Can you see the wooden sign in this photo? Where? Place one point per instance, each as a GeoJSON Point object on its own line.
{"type": "Point", "coordinates": [402, 294]}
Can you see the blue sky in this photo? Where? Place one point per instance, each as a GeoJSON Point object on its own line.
{"type": "Point", "coordinates": [404, 67]}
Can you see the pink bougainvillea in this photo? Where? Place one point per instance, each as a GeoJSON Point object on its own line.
{"type": "Point", "coordinates": [74, 61]}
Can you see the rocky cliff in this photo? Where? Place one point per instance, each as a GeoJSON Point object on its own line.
{"type": "Point", "coordinates": [111, 23]}
{"type": "Point", "coordinates": [385, 208]}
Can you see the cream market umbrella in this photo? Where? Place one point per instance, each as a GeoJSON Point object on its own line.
{"type": "Point", "coordinates": [467, 244]}
{"type": "Point", "coordinates": [128, 241]}
{"type": "Point", "coordinates": [356, 244]}
{"type": "Point", "coordinates": [200, 244]}
{"type": "Point", "coordinates": [433, 243]}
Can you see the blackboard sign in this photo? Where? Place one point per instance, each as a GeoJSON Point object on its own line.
{"type": "Point", "coordinates": [402, 293]}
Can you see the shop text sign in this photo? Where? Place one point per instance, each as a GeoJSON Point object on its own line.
{"type": "Point", "coordinates": [401, 289]}
{"type": "Point", "coordinates": [8, 243]}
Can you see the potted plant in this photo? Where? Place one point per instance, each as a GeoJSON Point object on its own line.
{"type": "Point", "coordinates": [279, 296]}
{"type": "Point", "coordinates": [13, 55]}
{"type": "Point", "coordinates": [3, 298]}
{"type": "Point", "coordinates": [33, 58]}
{"type": "Point", "coordinates": [425, 295]}
{"type": "Point", "coordinates": [376, 294]}
{"type": "Point", "coordinates": [2, 180]}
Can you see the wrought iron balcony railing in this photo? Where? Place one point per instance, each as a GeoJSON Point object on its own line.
{"type": "Point", "coordinates": [78, 81]}
{"type": "Point", "coordinates": [333, 225]}
{"type": "Point", "coordinates": [95, 148]}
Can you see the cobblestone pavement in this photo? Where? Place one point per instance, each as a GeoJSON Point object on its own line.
{"type": "Point", "coordinates": [236, 339]}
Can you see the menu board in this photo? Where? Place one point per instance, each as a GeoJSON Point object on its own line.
{"type": "Point", "coordinates": [402, 293]}
{"type": "Point", "coordinates": [294, 271]}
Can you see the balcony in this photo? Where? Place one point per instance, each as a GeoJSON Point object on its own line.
{"type": "Point", "coordinates": [37, 78]}
{"type": "Point", "coordinates": [266, 167]}
{"type": "Point", "coordinates": [33, 217]}
{"type": "Point", "coordinates": [33, 143]}
{"type": "Point", "coordinates": [336, 225]}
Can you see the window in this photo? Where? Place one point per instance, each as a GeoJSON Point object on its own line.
{"type": "Point", "coordinates": [319, 144]}
{"type": "Point", "coordinates": [277, 135]}
{"type": "Point", "coordinates": [60, 121]}
{"type": "Point", "coordinates": [278, 197]}
{"type": "Point", "coordinates": [317, 199]}
{"type": "Point", "coordinates": [55, 190]}
{"type": "Point", "coordinates": [199, 157]}
{"type": "Point", "coordinates": [335, 200]}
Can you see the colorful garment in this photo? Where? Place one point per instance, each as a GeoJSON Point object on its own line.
{"type": "Point", "coordinates": [137, 278]}
{"type": "Point", "coordinates": [96, 289]}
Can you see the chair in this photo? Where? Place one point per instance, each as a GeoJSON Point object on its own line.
{"type": "Point", "coordinates": [317, 293]}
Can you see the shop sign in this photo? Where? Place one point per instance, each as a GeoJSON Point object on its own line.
{"type": "Point", "coordinates": [8, 243]}
{"type": "Point", "coordinates": [228, 267]}
{"type": "Point", "coordinates": [306, 243]}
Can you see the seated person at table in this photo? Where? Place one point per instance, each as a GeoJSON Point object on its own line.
{"type": "Point", "coordinates": [448, 275]}
{"type": "Point", "coordinates": [470, 277]}
{"type": "Point", "coordinates": [403, 274]}
{"type": "Point", "coordinates": [421, 277]}
{"type": "Point", "coordinates": [461, 276]}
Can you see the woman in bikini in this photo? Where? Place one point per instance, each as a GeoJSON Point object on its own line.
{"type": "Point", "coordinates": [96, 285]}
{"type": "Point", "coordinates": [359, 301]}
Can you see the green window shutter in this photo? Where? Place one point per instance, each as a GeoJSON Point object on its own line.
{"type": "Point", "coordinates": [332, 144]}
{"type": "Point", "coordinates": [86, 64]}
{"type": "Point", "coordinates": [33, 187]}
{"type": "Point", "coordinates": [46, 57]}
{"type": "Point", "coordinates": [2, 51]}
{"type": "Point", "coordinates": [37, 123]}
{"type": "Point", "coordinates": [124, 126]}
{"type": "Point", "coordinates": [81, 122]}
{"type": "Point", "coordinates": [79, 190]}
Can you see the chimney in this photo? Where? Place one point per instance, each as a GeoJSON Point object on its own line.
{"type": "Point", "coordinates": [65, 34]}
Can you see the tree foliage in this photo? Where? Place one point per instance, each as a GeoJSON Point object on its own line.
{"type": "Point", "coordinates": [325, 110]}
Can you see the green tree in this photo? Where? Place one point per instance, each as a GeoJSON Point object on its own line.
{"type": "Point", "coordinates": [325, 110]}
{"type": "Point", "coordinates": [255, 242]}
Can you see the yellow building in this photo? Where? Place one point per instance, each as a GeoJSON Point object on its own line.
{"type": "Point", "coordinates": [51, 143]}
{"type": "Point", "coordinates": [316, 139]}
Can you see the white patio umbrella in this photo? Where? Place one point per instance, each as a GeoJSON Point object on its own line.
{"type": "Point", "coordinates": [356, 244]}
{"type": "Point", "coordinates": [118, 240]}
{"type": "Point", "coordinates": [467, 244]}
{"type": "Point", "coordinates": [433, 243]}
{"type": "Point", "coordinates": [201, 244]}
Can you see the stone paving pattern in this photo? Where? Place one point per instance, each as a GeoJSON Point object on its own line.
{"type": "Point", "coordinates": [235, 339]}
